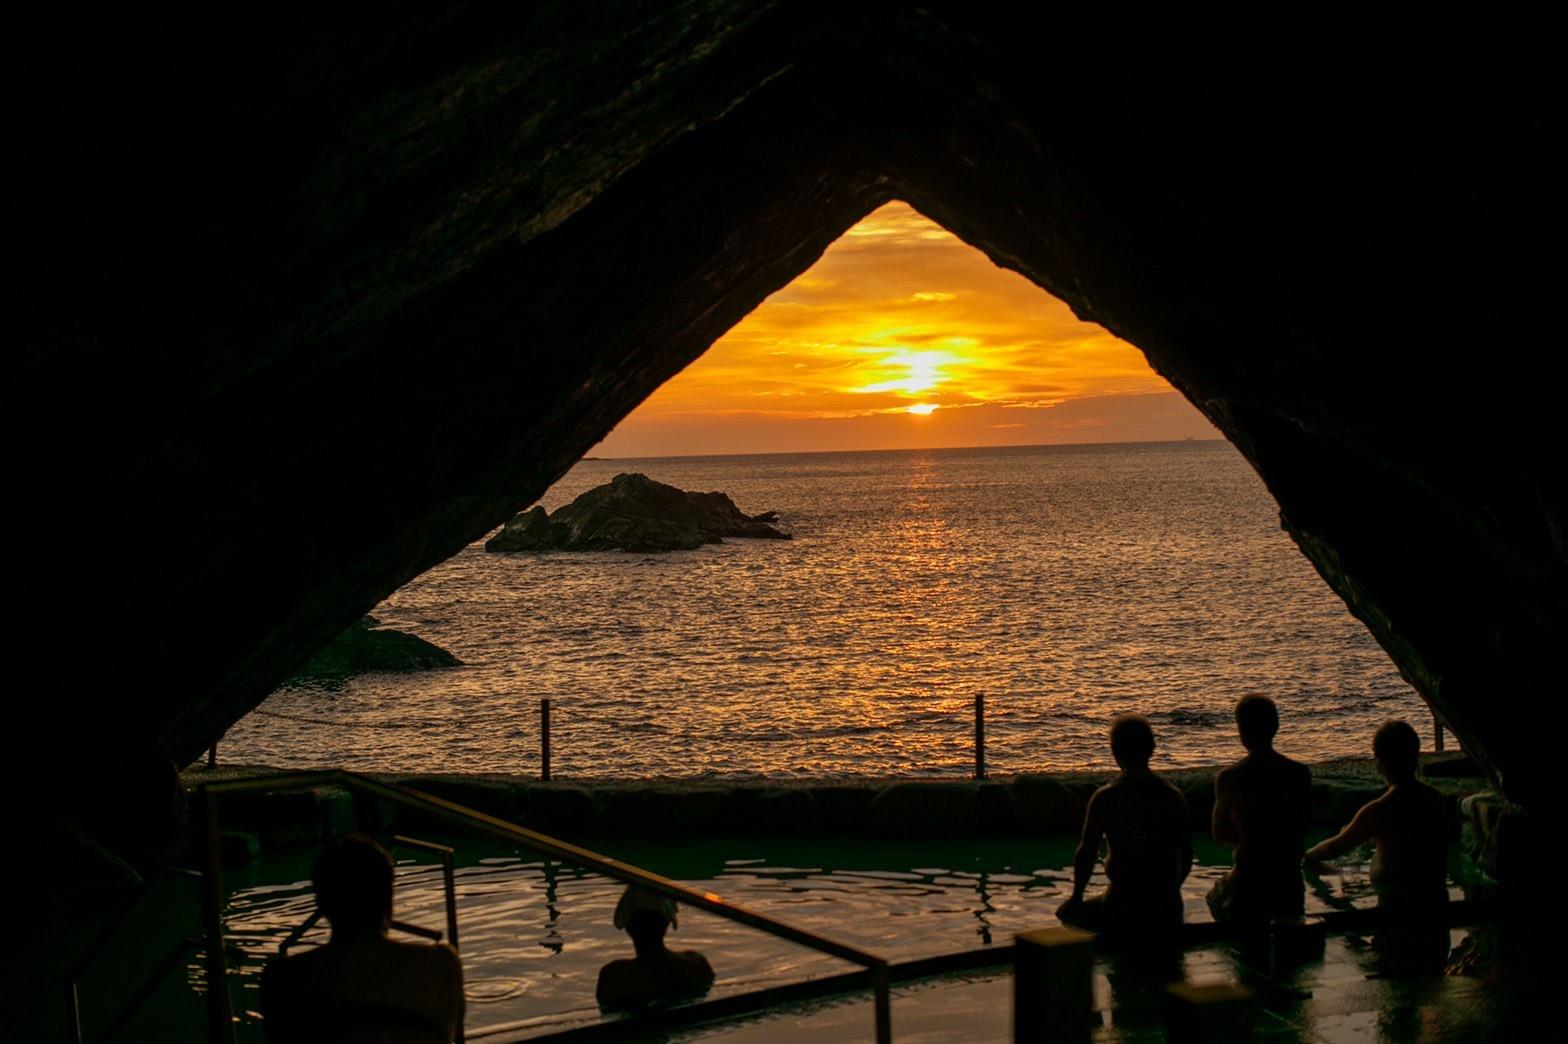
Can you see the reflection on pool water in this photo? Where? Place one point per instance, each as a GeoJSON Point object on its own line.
{"type": "Point", "coordinates": [535, 933]}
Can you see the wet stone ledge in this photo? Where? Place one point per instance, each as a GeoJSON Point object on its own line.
{"type": "Point", "coordinates": [1021, 805]}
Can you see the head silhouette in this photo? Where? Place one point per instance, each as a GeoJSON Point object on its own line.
{"type": "Point", "coordinates": [1257, 720]}
{"type": "Point", "coordinates": [1132, 741]}
{"type": "Point", "coordinates": [1398, 750]}
{"type": "Point", "coordinates": [647, 930]}
{"type": "Point", "coordinates": [645, 916]}
{"type": "Point", "coordinates": [353, 881]}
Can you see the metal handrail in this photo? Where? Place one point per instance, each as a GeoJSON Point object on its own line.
{"type": "Point", "coordinates": [220, 1015]}
{"type": "Point", "coordinates": [294, 937]}
{"type": "Point", "coordinates": [448, 878]}
{"type": "Point", "coordinates": [149, 984]}
{"type": "Point", "coordinates": [93, 949]}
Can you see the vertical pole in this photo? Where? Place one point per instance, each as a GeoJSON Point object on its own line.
{"type": "Point", "coordinates": [883, 1003]}
{"type": "Point", "coordinates": [212, 756]}
{"type": "Point", "coordinates": [1437, 733]}
{"type": "Point", "coordinates": [73, 1026]}
{"type": "Point", "coordinates": [220, 1017]}
{"type": "Point", "coordinates": [450, 884]}
{"type": "Point", "coordinates": [544, 740]}
{"type": "Point", "coordinates": [979, 735]}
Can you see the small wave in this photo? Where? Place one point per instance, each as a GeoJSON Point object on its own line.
{"type": "Point", "coordinates": [1192, 718]}
{"type": "Point", "coordinates": [848, 730]}
{"type": "Point", "coordinates": [641, 726]}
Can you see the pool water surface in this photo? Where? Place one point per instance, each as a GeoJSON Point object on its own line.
{"type": "Point", "coordinates": [534, 933]}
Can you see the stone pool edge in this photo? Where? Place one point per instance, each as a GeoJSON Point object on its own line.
{"type": "Point", "coordinates": [1021, 805]}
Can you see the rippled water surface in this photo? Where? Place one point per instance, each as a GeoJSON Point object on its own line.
{"type": "Point", "coordinates": [534, 934]}
{"type": "Point", "coordinates": [1067, 584]}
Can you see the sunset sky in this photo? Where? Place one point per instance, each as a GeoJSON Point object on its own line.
{"type": "Point", "coordinates": [904, 337]}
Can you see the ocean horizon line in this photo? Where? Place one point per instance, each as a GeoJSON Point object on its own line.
{"type": "Point", "coordinates": [907, 449]}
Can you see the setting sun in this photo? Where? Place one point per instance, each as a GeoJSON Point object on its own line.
{"type": "Point", "coordinates": [899, 309]}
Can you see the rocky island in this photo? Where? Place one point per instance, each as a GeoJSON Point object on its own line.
{"type": "Point", "coordinates": [634, 513]}
{"type": "Point", "coordinates": [368, 647]}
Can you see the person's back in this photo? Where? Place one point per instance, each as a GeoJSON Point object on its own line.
{"type": "Point", "coordinates": [361, 986]}
{"type": "Point", "coordinates": [1143, 821]}
{"type": "Point", "coordinates": [1270, 799]}
{"type": "Point", "coordinates": [1411, 825]}
{"type": "Point", "coordinates": [638, 981]}
{"type": "Point", "coordinates": [365, 990]}
{"type": "Point", "coordinates": [1146, 830]}
{"type": "Point", "coordinates": [1261, 807]}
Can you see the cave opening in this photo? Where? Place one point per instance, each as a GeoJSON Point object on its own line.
{"type": "Point", "coordinates": [903, 360]}
{"type": "Point", "coordinates": [537, 220]}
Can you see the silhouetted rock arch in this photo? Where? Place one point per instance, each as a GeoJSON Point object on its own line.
{"type": "Point", "coordinates": [326, 299]}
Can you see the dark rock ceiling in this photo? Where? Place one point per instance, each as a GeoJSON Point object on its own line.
{"type": "Point", "coordinates": [303, 302]}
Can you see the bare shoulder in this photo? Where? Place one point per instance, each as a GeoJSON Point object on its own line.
{"type": "Point", "coordinates": [285, 970]}
{"type": "Point", "coordinates": [1371, 809]}
{"type": "Point", "coordinates": [696, 959]}
{"type": "Point", "coordinates": [613, 971]}
{"type": "Point", "coordinates": [276, 975]}
{"type": "Point", "coordinates": [443, 955]}
{"type": "Point", "coordinates": [432, 958]}
{"type": "Point", "coordinates": [285, 983]}
{"type": "Point", "coordinates": [1435, 800]}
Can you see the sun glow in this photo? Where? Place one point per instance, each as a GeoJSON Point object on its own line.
{"type": "Point", "coordinates": [900, 318]}
{"type": "Point", "coordinates": [922, 372]}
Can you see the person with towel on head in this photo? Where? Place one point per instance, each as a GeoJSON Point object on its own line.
{"type": "Point", "coordinates": [657, 973]}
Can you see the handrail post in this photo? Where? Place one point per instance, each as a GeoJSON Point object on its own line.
{"type": "Point", "coordinates": [73, 1026]}
{"type": "Point", "coordinates": [220, 1016]}
{"type": "Point", "coordinates": [544, 740]}
{"type": "Point", "coordinates": [212, 755]}
{"type": "Point", "coordinates": [448, 878]}
{"type": "Point", "coordinates": [979, 735]}
{"type": "Point", "coordinates": [449, 882]}
{"type": "Point", "coordinates": [1437, 733]}
{"type": "Point", "coordinates": [882, 1003]}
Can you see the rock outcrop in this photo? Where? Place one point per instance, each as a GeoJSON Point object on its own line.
{"type": "Point", "coordinates": [634, 513]}
{"type": "Point", "coordinates": [367, 647]}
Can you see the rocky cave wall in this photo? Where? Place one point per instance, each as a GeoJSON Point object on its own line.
{"type": "Point", "coordinates": [307, 302]}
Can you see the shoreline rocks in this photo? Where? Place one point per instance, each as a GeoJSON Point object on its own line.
{"type": "Point", "coordinates": [634, 513]}
{"type": "Point", "coordinates": [367, 647]}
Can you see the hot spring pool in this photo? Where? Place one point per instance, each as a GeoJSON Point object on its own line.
{"type": "Point", "coordinates": [534, 933]}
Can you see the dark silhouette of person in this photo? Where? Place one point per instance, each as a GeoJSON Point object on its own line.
{"type": "Point", "coordinates": [1410, 823]}
{"type": "Point", "coordinates": [656, 973]}
{"type": "Point", "coordinates": [361, 985]}
{"type": "Point", "coordinates": [1144, 819]}
{"type": "Point", "coordinates": [1261, 805]}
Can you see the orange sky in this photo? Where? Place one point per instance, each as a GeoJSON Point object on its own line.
{"type": "Point", "coordinates": [903, 337]}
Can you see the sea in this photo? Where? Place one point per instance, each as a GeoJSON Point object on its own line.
{"type": "Point", "coordinates": [1060, 585]}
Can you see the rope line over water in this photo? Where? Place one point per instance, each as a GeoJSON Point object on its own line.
{"type": "Point", "coordinates": [429, 723]}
